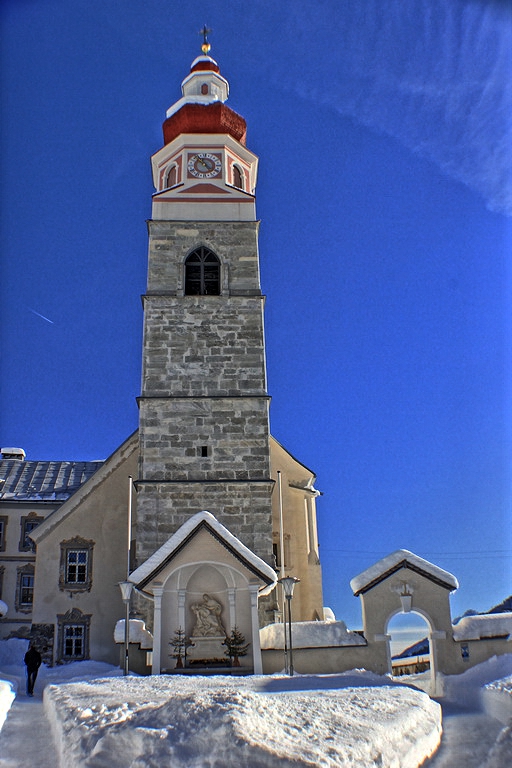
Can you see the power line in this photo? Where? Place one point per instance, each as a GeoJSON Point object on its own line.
{"type": "Point", "coordinates": [501, 553]}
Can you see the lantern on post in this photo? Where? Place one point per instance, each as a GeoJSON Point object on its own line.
{"type": "Point", "coordinates": [288, 583]}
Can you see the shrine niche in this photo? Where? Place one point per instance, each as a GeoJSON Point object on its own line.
{"type": "Point", "coordinates": [203, 579]}
{"type": "Point", "coordinates": [208, 635]}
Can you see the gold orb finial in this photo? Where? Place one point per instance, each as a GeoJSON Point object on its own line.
{"type": "Point", "coordinates": [206, 45]}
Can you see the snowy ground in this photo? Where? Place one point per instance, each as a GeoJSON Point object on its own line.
{"type": "Point", "coordinates": [476, 706]}
{"type": "Point", "coordinates": [353, 719]}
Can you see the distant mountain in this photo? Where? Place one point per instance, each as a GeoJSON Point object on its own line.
{"type": "Point", "coordinates": [469, 612]}
{"type": "Point", "coordinates": [503, 607]}
{"type": "Point", "coordinates": [417, 649]}
{"type": "Point", "coordinates": [422, 645]}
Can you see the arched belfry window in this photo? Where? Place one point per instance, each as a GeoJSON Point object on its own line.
{"type": "Point", "coordinates": [171, 178]}
{"type": "Point", "coordinates": [202, 273]}
{"type": "Point", "coordinates": [238, 179]}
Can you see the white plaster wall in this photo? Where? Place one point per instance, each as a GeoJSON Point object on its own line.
{"type": "Point", "coordinates": [327, 661]}
{"type": "Point", "coordinates": [301, 543]}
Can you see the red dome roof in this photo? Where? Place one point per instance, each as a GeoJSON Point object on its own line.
{"type": "Point", "coordinates": [205, 65]}
{"type": "Point", "coordinates": [205, 118]}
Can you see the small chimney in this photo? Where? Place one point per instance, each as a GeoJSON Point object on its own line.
{"type": "Point", "coordinates": [13, 453]}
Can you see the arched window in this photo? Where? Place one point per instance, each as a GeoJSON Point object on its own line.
{"type": "Point", "coordinates": [202, 273]}
{"type": "Point", "coordinates": [238, 179]}
{"type": "Point", "coordinates": [171, 178]}
{"type": "Point", "coordinates": [204, 89]}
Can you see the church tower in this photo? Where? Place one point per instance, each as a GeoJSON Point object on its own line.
{"type": "Point", "coordinates": [203, 425]}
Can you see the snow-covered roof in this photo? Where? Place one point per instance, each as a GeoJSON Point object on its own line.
{"type": "Point", "coordinates": [43, 480]}
{"type": "Point", "coordinates": [402, 558]}
{"type": "Point", "coordinates": [203, 59]}
{"type": "Point", "coordinates": [143, 574]}
{"type": "Point", "coordinates": [311, 634]}
{"type": "Point", "coordinates": [484, 626]}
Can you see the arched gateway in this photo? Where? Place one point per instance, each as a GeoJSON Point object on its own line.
{"type": "Point", "coordinates": [400, 583]}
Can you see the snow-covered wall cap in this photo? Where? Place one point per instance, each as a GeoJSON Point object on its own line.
{"type": "Point", "coordinates": [311, 634]}
{"type": "Point", "coordinates": [402, 558]}
{"type": "Point", "coordinates": [158, 559]}
{"type": "Point", "coordinates": [485, 626]}
{"type": "Point", "coordinates": [137, 633]}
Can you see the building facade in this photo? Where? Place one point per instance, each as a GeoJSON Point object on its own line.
{"type": "Point", "coordinates": [29, 492]}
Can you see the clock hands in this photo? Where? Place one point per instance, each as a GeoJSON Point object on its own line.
{"type": "Point", "coordinates": [205, 162]}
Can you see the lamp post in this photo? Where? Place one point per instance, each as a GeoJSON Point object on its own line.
{"type": "Point", "coordinates": [126, 593]}
{"type": "Point", "coordinates": [288, 583]}
{"type": "Point", "coordinates": [127, 586]}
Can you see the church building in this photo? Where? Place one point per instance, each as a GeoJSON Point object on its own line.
{"type": "Point", "coordinates": [219, 510]}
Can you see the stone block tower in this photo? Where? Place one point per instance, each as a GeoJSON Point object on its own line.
{"type": "Point", "coordinates": [203, 429]}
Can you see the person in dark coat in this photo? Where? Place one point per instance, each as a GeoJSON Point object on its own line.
{"type": "Point", "coordinates": [32, 662]}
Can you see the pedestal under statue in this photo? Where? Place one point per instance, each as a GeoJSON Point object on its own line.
{"type": "Point", "coordinates": [208, 634]}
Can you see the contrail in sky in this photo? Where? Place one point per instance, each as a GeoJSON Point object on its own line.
{"type": "Point", "coordinates": [40, 315]}
{"type": "Point", "coordinates": [433, 74]}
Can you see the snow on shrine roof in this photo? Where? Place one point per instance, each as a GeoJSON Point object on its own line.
{"type": "Point", "coordinates": [43, 480]}
{"type": "Point", "coordinates": [148, 570]}
{"type": "Point", "coordinates": [483, 627]}
{"type": "Point", "coordinates": [402, 558]}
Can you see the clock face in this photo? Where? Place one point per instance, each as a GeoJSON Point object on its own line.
{"type": "Point", "coordinates": [204, 165]}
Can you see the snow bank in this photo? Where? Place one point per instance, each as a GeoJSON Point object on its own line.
{"type": "Point", "coordinates": [501, 753]}
{"type": "Point", "coordinates": [7, 696]}
{"type": "Point", "coordinates": [466, 689]}
{"type": "Point", "coordinates": [497, 699]}
{"type": "Point", "coordinates": [215, 721]}
{"type": "Point", "coordinates": [12, 652]}
{"type": "Point", "coordinates": [310, 634]}
{"type": "Point", "coordinates": [483, 626]}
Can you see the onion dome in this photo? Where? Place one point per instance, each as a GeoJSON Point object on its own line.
{"type": "Point", "coordinates": [201, 108]}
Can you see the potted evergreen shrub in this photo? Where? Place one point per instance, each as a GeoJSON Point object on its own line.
{"type": "Point", "coordinates": [235, 646]}
{"type": "Point", "coordinates": [179, 644]}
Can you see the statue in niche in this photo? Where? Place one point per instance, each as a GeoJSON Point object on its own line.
{"type": "Point", "coordinates": [208, 621]}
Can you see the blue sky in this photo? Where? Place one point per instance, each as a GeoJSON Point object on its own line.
{"type": "Point", "coordinates": [385, 195]}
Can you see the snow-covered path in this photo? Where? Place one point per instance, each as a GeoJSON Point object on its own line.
{"type": "Point", "coordinates": [26, 738]}
{"type": "Point", "coordinates": [468, 737]}
{"type": "Point", "coordinates": [106, 719]}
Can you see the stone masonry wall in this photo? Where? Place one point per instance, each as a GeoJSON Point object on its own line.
{"type": "Point", "coordinates": [243, 507]}
{"type": "Point", "coordinates": [204, 432]}
{"type": "Point", "coordinates": [204, 346]}
{"type": "Point", "coordinates": [231, 431]}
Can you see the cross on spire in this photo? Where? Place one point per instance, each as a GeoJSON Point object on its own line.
{"type": "Point", "coordinates": [206, 45]}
